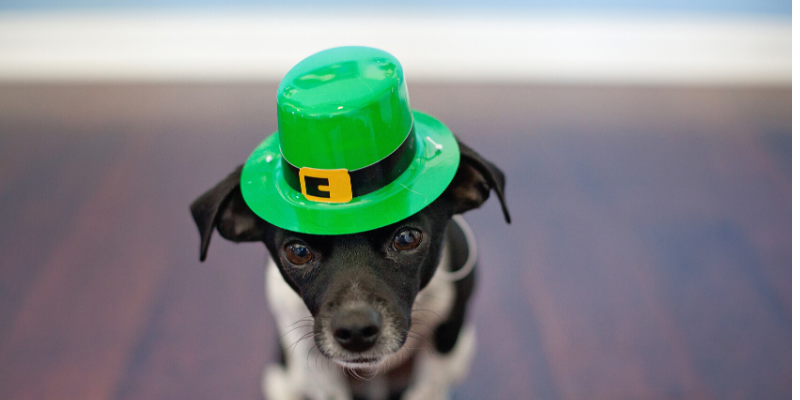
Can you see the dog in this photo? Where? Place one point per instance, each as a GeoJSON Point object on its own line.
{"type": "Point", "coordinates": [371, 315]}
{"type": "Point", "coordinates": [358, 199]}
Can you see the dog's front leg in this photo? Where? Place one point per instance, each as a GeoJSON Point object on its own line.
{"type": "Point", "coordinates": [307, 375]}
{"type": "Point", "coordinates": [299, 381]}
{"type": "Point", "coordinates": [436, 373]}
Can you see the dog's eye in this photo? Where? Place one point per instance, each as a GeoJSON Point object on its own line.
{"type": "Point", "coordinates": [407, 239]}
{"type": "Point", "coordinates": [298, 253]}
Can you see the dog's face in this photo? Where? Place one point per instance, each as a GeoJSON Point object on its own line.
{"type": "Point", "coordinates": [359, 288]}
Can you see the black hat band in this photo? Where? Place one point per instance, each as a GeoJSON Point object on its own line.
{"type": "Point", "coordinates": [318, 186]}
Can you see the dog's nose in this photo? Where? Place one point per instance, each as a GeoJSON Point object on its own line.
{"type": "Point", "coordinates": [356, 329]}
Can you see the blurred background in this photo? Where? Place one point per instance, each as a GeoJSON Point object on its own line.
{"type": "Point", "coordinates": [646, 144]}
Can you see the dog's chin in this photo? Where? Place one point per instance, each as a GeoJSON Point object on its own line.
{"type": "Point", "coordinates": [362, 363]}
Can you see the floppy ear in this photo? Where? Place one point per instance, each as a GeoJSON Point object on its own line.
{"type": "Point", "coordinates": [474, 180]}
{"type": "Point", "coordinates": [223, 207]}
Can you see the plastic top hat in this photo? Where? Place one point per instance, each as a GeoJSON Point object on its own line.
{"type": "Point", "coordinates": [350, 155]}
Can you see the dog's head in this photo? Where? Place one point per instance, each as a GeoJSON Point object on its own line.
{"type": "Point", "coordinates": [360, 287]}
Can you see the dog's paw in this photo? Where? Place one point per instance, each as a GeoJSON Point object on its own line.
{"type": "Point", "coordinates": [437, 373]}
{"type": "Point", "coordinates": [276, 384]}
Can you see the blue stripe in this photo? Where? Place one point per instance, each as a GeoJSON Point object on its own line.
{"type": "Point", "coordinates": [758, 7]}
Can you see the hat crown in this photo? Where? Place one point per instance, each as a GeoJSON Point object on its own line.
{"type": "Point", "coordinates": [345, 107]}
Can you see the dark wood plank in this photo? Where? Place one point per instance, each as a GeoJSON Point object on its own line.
{"type": "Point", "coordinates": [649, 257]}
{"type": "Point", "coordinates": [47, 177]}
{"type": "Point", "coordinates": [78, 321]}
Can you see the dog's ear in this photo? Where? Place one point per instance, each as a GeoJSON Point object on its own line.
{"type": "Point", "coordinates": [474, 180]}
{"type": "Point", "coordinates": [223, 207]}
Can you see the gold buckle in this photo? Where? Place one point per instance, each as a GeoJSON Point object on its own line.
{"type": "Point", "coordinates": [333, 183]}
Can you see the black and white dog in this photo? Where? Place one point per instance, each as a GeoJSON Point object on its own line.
{"type": "Point", "coordinates": [372, 315]}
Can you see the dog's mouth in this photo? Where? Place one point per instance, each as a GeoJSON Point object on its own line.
{"type": "Point", "coordinates": [361, 362]}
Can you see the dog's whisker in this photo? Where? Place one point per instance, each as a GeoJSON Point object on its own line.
{"type": "Point", "coordinates": [421, 323]}
{"type": "Point", "coordinates": [427, 310]}
{"type": "Point", "coordinates": [398, 358]}
{"type": "Point", "coordinates": [389, 360]}
{"type": "Point", "coordinates": [375, 373]}
{"type": "Point", "coordinates": [296, 342]}
{"type": "Point", "coordinates": [308, 365]}
{"type": "Point", "coordinates": [304, 319]}
{"type": "Point", "coordinates": [417, 337]}
{"type": "Point", "coordinates": [356, 374]}
{"type": "Point", "coordinates": [418, 348]}
{"type": "Point", "coordinates": [316, 350]}
{"type": "Point", "coordinates": [306, 335]}
{"type": "Point", "coordinates": [422, 340]}
{"type": "Point", "coordinates": [366, 374]}
{"type": "Point", "coordinates": [405, 354]}
{"type": "Point", "coordinates": [294, 329]}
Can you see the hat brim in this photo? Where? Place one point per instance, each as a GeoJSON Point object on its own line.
{"type": "Point", "coordinates": [266, 192]}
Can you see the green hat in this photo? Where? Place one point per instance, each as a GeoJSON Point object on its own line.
{"type": "Point", "coordinates": [350, 155]}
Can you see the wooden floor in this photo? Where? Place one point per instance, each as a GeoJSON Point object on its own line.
{"type": "Point", "coordinates": [649, 257]}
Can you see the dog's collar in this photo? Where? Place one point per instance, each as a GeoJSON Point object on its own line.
{"type": "Point", "coordinates": [472, 257]}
